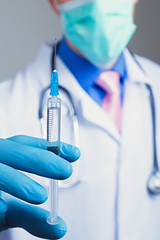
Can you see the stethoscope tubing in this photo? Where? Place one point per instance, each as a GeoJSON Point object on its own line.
{"type": "Point", "coordinates": [155, 174]}
{"type": "Point", "coordinates": [153, 113]}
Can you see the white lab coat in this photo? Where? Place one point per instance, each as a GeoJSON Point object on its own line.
{"type": "Point", "coordinates": [110, 200]}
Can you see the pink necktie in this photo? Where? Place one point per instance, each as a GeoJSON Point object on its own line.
{"type": "Point", "coordinates": [110, 82]}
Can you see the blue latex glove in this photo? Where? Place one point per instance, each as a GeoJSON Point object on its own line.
{"type": "Point", "coordinates": [29, 154]}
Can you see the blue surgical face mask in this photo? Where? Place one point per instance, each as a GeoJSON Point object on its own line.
{"type": "Point", "coordinates": [100, 29]}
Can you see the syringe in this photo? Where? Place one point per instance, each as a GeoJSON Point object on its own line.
{"type": "Point", "coordinates": [53, 139]}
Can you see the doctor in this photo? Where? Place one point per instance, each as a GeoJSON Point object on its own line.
{"type": "Point", "coordinates": [109, 199]}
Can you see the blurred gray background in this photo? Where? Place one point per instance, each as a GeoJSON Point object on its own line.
{"type": "Point", "coordinates": [25, 25]}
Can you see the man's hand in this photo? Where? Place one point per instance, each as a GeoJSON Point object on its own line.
{"type": "Point", "coordinates": [30, 155]}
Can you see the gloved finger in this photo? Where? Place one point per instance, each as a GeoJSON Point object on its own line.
{"type": "Point", "coordinates": [21, 186]}
{"type": "Point", "coordinates": [3, 206]}
{"type": "Point", "coordinates": [67, 151]}
{"type": "Point", "coordinates": [34, 160]}
{"type": "Point", "coordinates": [32, 219]}
{"type": "Point", "coordinates": [30, 141]}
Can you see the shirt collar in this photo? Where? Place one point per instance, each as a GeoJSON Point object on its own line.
{"type": "Point", "coordinates": [85, 72]}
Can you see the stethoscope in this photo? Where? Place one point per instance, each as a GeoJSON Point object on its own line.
{"type": "Point", "coordinates": [153, 184]}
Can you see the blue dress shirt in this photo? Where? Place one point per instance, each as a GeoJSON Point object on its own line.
{"type": "Point", "coordinates": [86, 73]}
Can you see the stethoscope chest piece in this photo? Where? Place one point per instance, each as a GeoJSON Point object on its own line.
{"type": "Point", "coordinates": [154, 182]}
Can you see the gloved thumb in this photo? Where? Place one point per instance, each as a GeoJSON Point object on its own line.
{"type": "Point", "coordinates": [32, 219]}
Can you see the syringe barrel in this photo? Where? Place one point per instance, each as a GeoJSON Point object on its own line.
{"type": "Point", "coordinates": [53, 145]}
{"type": "Point", "coordinates": [53, 123]}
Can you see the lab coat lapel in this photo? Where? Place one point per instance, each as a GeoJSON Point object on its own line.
{"type": "Point", "coordinates": [136, 97]}
{"type": "Point", "coordinates": [136, 109]}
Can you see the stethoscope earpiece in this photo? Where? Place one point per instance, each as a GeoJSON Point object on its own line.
{"type": "Point", "coordinates": [154, 182]}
